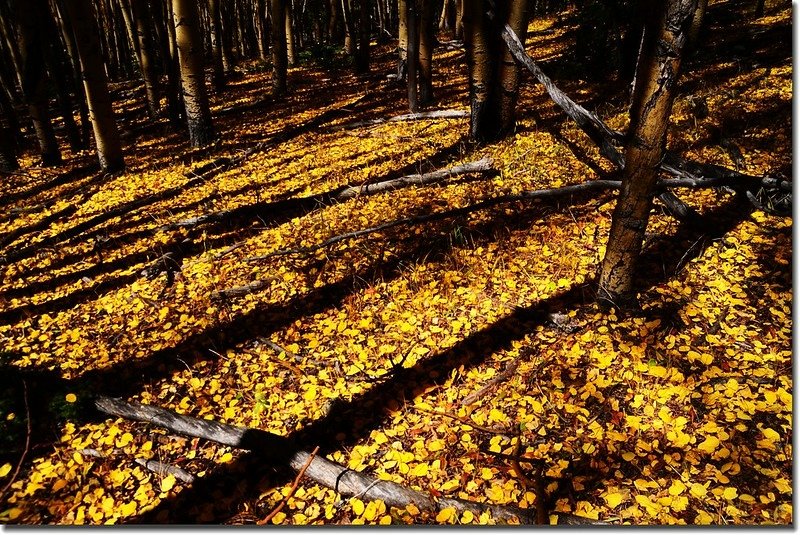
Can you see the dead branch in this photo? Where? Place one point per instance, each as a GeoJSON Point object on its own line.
{"type": "Point", "coordinates": [469, 422]}
{"type": "Point", "coordinates": [163, 468]}
{"type": "Point", "coordinates": [291, 490]}
{"type": "Point", "coordinates": [242, 290]}
{"type": "Point", "coordinates": [28, 433]}
{"type": "Point", "coordinates": [509, 370]}
{"type": "Point", "coordinates": [322, 471]}
{"type": "Point", "coordinates": [419, 116]}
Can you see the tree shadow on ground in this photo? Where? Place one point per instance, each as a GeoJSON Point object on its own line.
{"type": "Point", "coordinates": [348, 422]}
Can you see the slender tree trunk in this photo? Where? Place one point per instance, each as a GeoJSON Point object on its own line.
{"type": "Point", "coordinates": [106, 136]}
{"type": "Point", "coordinates": [279, 56]}
{"type": "Point", "coordinates": [169, 59]}
{"type": "Point", "coordinates": [291, 55]}
{"type": "Point", "coordinates": [34, 81]}
{"type": "Point", "coordinates": [130, 27]}
{"type": "Point", "coordinates": [261, 21]}
{"type": "Point", "coordinates": [228, 24]}
{"type": "Point", "coordinates": [333, 22]}
{"type": "Point", "coordinates": [190, 55]}
{"type": "Point", "coordinates": [12, 46]}
{"type": "Point", "coordinates": [383, 23]}
{"type": "Point", "coordinates": [412, 23]}
{"type": "Point", "coordinates": [363, 25]}
{"type": "Point", "coordinates": [509, 70]}
{"type": "Point", "coordinates": [458, 30]}
{"type": "Point", "coordinates": [480, 67]}
{"type": "Point", "coordinates": [402, 40]}
{"type": "Point", "coordinates": [426, 44]}
{"type": "Point", "coordinates": [8, 160]}
{"type": "Point", "coordinates": [144, 27]}
{"type": "Point", "coordinates": [215, 29]}
{"type": "Point", "coordinates": [75, 78]}
{"type": "Point", "coordinates": [659, 68]}
{"type": "Point", "coordinates": [349, 29]}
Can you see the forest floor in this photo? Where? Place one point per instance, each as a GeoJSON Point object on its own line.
{"type": "Point", "coordinates": [428, 353]}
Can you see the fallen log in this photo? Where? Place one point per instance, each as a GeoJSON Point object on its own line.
{"type": "Point", "coordinates": [483, 165]}
{"type": "Point", "coordinates": [341, 479]}
{"type": "Point", "coordinates": [419, 116]}
{"type": "Point", "coordinates": [605, 138]}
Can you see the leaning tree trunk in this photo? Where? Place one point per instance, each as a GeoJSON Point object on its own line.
{"type": "Point", "coordinates": [280, 59]}
{"type": "Point", "coordinates": [106, 136]}
{"type": "Point", "coordinates": [659, 64]}
{"type": "Point", "coordinates": [190, 56]}
{"type": "Point", "coordinates": [34, 81]}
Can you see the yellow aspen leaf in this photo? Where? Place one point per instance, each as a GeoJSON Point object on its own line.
{"type": "Point", "coordinates": [628, 456]}
{"type": "Point", "coordinates": [698, 490]}
{"type": "Point", "coordinates": [71, 398]}
{"type": "Point", "coordinates": [413, 509]}
{"type": "Point", "coordinates": [730, 493]}
{"type": "Point", "coordinates": [358, 506]}
{"type": "Point", "coordinates": [5, 469]}
{"type": "Point", "coordinates": [371, 511]}
{"type": "Point", "coordinates": [59, 484]}
{"type": "Point", "coordinates": [486, 473]}
{"type": "Point", "coordinates": [167, 483]}
{"type": "Point", "coordinates": [386, 520]}
{"type": "Point", "coordinates": [783, 486]}
{"type": "Point", "coordinates": [770, 434]}
{"type": "Point", "coordinates": [14, 513]}
{"type": "Point", "coordinates": [679, 503]}
{"type": "Point", "coordinates": [446, 514]}
{"type": "Point", "coordinates": [709, 445]}
{"type": "Point", "coordinates": [107, 505]}
{"type": "Point", "coordinates": [129, 508]}
{"type": "Point", "coordinates": [226, 457]}
{"type": "Point", "coordinates": [421, 470]}
{"type": "Point", "coordinates": [77, 457]}
{"type": "Point", "coordinates": [124, 440]}
{"type": "Point", "coordinates": [467, 517]}
{"type": "Point", "coordinates": [703, 518]}
{"type": "Point", "coordinates": [613, 499]}
{"type": "Point", "coordinates": [676, 488]}
{"type": "Point", "coordinates": [435, 445]}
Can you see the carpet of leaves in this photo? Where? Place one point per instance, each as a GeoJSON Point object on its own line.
{"type": "Point", "coordinates": [679, 414]}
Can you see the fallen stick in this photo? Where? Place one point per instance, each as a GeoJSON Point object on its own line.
{"type": "Point", "coordinates": [322, 471]}
{"type": "Point", "coordinates": [163, 468]}
{"type": "Point", "coordinates": [291, 490]}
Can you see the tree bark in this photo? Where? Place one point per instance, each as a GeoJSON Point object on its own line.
{"type": "Point", "coordinates": [412, 25]}
{"type": "Point", "coordinates": [34, 80]}
{"type": "Point", "coordinates": [101, 113]}
{"type": "Point", "coordinates": [509, 71]}
{"type": "Point", "coordinates": [144, 26]}
{"type": "Point", "coordinates": [279, 53]}
{"type": "Point", "coordinates": [190, 55]}
{"type": "Point", "coordinates": [215, 28]}
{"type": "Point", "coordinates": [8, 159]}
{"type": "Point", "coordinates": [426, 44]}
{"type": "Point", "coordinates": [477, 41]}
{"type": "Point", "coordinates": [660, 62]}
{"type": "Point", "coordinates": [291, 54]}
{"type": "Point", "coordinates": [402, 40]}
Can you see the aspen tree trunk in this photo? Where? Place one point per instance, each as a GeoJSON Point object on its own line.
{"type": "Point", "coordinates": [144, 27]}
{"type": "Point", "coordinates": [59, 74]}
{"type": "Point", "coordinates": [279, 55]}
{"type": "Point", "coordinates": [659, 66]}
{"type": "Point", "coordinates": [333, 21]}
{"type": "Point", "coordinates": [412, 21]}
{"type": "Point", "coordinates": [130, 27]}
{"type": "Point", "coordinates": [448, 17]}
{"type": "Point", "coordinates": [215, 29]}
{"type": "Point", "coordinates": [509, 70]}
{"type": "Point", "coordinates": [190, 55]}
{"type": "Point", "coordinates": [12, 46]}
{"type": "Point", "coordinates": [101, 113]}
{"type": "Point", "coordinates": [8, 160]}
{"type": "Point", "coordinates": [291, 55]}
{"type": "Point", "coordinates": [383, 23]}
{"type": "Point", "coordinates": [75, 78]}
{"type": "Point", "coordinates": [480, 67]}
{"type": "Point", "coordinates": [363, 26]}
{"type": "Point", "coordinates": [228, 24]}
{"type": "Point", "coordinates": [426, 43]}
{"type": "Point", "coordinates": [34, 81]}
{"type": "Point", "coordinates": [263, 39]}
{"type": "Point", "coordinates": [402, 40]}
{"type": "Point", "coordinates": [169, 59]}
{"type": "Point", "coordinates": [458, 30]}
{"type": "Point", "coordinates": [349, 28]}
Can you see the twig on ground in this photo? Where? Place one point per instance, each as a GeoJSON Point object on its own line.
{"type": "Point", "coordinates": [291, 490]}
